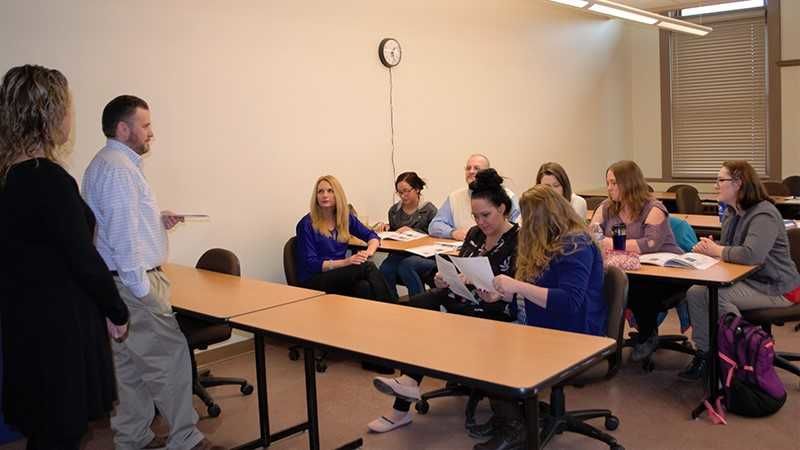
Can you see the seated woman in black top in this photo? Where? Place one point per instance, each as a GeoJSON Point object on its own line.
{"type": "Point", "coordinates": [494, 237]}
{"type": "Point", "coordinates": [321, 249]}
{"type": "Point", "coordinates": [58, 302]}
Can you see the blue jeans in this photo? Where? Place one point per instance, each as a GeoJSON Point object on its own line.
{"type": "Point", "coordinates": [408, 268]}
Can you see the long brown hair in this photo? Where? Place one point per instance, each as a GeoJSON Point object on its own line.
{"type": "Point", "coordinates": [632, 187]}
{"type": "Point", "coordinates": [34, 101]}
{"type": "Point", "coordinates": [554, 169]}
{"type": "Point", "coordinates": [751, 190]}
{"type": "Point", "coordinates": [547, 218]}
{"type": "Point", "coordinates": [341, 215]}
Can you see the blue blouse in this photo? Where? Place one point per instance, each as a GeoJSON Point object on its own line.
{"type": "Point", "coordinates": [313, 248]}
{"type": "Point", "coordinates": [575, 300]}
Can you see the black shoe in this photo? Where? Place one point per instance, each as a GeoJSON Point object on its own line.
{"type": "Point", "coordinates": [510, 437]}
{"type": "Point", "coordinates": [377, 368]}
{"type": "Point", "coordinates": [696, 370]}
{"type": "Point", "coordinates": [643, 349]}
{"type": "Point", "coordinates": [484, 430]}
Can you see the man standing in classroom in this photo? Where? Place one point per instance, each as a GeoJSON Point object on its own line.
{"type": "Point", "coordinates": [153, 364]}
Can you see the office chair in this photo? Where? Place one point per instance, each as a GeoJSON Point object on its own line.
{"type": "Point", "coordinates": [290, 271]}
{"type": "Point", "coordinates": [687, 200]}
{"type": "Point", "coordinates": [767, 317]}
{"type": "Point", "coordinates": [556, 418]}
{"type": "Point", "coordinates": [792, 183]}
{"type": "Point", "coordinates": [686, 239]}
{"type": "Point", "coordinates": [674, 188]}
{"type": "Point", "coordinates": [201, 333]}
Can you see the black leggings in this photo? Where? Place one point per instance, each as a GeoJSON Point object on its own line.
{"type": "Point", "coordinates": [42, 442]}
{"type": "Point", "coordinates": [362, 281]}
{"type": "Point", "coordinates": [647, 299]}
{"type": "Point", "coordinates": [435, 298]}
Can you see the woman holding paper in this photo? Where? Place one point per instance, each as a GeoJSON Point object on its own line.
{"type": "Point", "coordinates": [321, 249]}
{"type": "Point", "coordinates": [407, 215]}
{"type": "Point", "coordinates": [494, 238]}
{"type": "Point", "coordinates": [630, 203]}
{"type": "Point", "coordinates": [558, 284]}
{"type": "Point", "coordinates": [58, 301]}
{"type": "Point", "coordinates": [753, 233]}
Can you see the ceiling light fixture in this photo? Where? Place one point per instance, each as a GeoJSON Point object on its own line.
{"type": "Point", "coordinates": [618, 10]}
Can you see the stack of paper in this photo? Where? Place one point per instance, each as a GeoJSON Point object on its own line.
{"type": "Point", "coordinates": [406, 236]}
{"type": "Point", "coordinates": [427, 251]}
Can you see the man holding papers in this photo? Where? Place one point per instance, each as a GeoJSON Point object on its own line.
{"type": "Point", "coordinates": [493, 243]}
{"type": "Point", "coordinates": [152, 364]}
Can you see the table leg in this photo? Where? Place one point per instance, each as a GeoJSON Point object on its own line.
{"type": "Point", "coordinates": [311, 405]}
{"type": "Point", "coordinates": [532, 417]}
{"type": "Point", "coordinates": [713, 348]}
{"type": "Point", "coordinates": [265, 438]}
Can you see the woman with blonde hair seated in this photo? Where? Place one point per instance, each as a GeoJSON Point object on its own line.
{"type": "Point", "coordinates": [558, 284]}
{"type": "Point", "coordinates": [321, 249]}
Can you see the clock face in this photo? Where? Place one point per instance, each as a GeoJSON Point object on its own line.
{"type": "Point", "coordinates": [389, 52]}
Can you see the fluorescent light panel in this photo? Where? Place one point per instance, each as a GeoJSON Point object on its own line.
{"type": "Point", "coordinates": [622, 14]}
{"type": "Point", "coordinates": [723, 7]}
{"type": "Point", "coordinates": [575, 3]}
{"type": "Point", "coordinates": [621, 11]}
{"type": "Point", "coordinates": [682, 28]}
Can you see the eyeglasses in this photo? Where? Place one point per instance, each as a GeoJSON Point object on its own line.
{"type": "Point", "coordinates": [721, 180]}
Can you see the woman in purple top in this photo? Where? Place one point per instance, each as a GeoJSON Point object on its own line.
{"type": "Point", "coordinates": [321, 249]}
{"type": "Point", "coordinates": [648, 231]}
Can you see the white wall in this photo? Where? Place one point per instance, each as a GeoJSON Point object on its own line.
{"type": "Point", "coordinates": [253, 99]}
{"type": "Point", "coordinates": [646, 97]}
{"type": "Point", "coordinates": [790, 87]}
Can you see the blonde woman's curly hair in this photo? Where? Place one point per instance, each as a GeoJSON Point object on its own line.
{"type": "Point", "coordinates": [547, 219]}
{"type": "Point", "coordinates": [34, 101]}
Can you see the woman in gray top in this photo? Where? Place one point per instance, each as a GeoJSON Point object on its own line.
{"type": "Point", "coordinates": [408, 214]}
{"type": "Point", "coordinates": [646, 221]}
{"type": "Point", "coordinates": [753, 233]}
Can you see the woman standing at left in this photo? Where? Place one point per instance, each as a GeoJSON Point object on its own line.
{"type": "Point", "coordinates": [58, 302]}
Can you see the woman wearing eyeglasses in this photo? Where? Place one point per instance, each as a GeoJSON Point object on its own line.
{"type": "Point", "coordinates": [405, 215]}
{"type": "Point", "coordinates": [753, 233]}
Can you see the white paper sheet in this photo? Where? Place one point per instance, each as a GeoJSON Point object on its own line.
{"type": "Point", "coordinates": [450, 275]}
{"type": "Point", "coordinates": [477, 271]}
{"type": "Point", "coordinates": [406, 236]}
{"type": "Point", "coordinates": [427, 251]}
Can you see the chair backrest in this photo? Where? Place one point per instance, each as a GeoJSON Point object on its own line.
{"type": "Point", "coordinates": [794, 245]}
{"type": "Point", "coordinates": [594, 202]}
{"type": "Point", "coordinates": [674, 188]}
{"type": "Point", "coordinates": [220, 260]}
{"type": "Point", "coordinates": [687, 199]}
{"type": "Point", "coordinates": [289, 262]}
{"type": "Point", "coordinates": [776, 188]}
{"type": "Point", "coordinates": [792, 183]}
{"type": "Point", "coordinates": [685, 236]}
{"type": "Point", "coordinates": [615, 289]}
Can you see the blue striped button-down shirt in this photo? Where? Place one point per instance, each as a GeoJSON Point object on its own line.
{"type": "Point", "coordinates": [130, 235]}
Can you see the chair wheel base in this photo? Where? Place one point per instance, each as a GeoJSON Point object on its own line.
{"type": "Point", "coordinates": [247, 389]}
{"type": "Point", "coordinates": [611, 423]}
{"type": "Point", "coordinates": [214, 410]}
{"type": "Point", "coordinates": [422, 406]}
